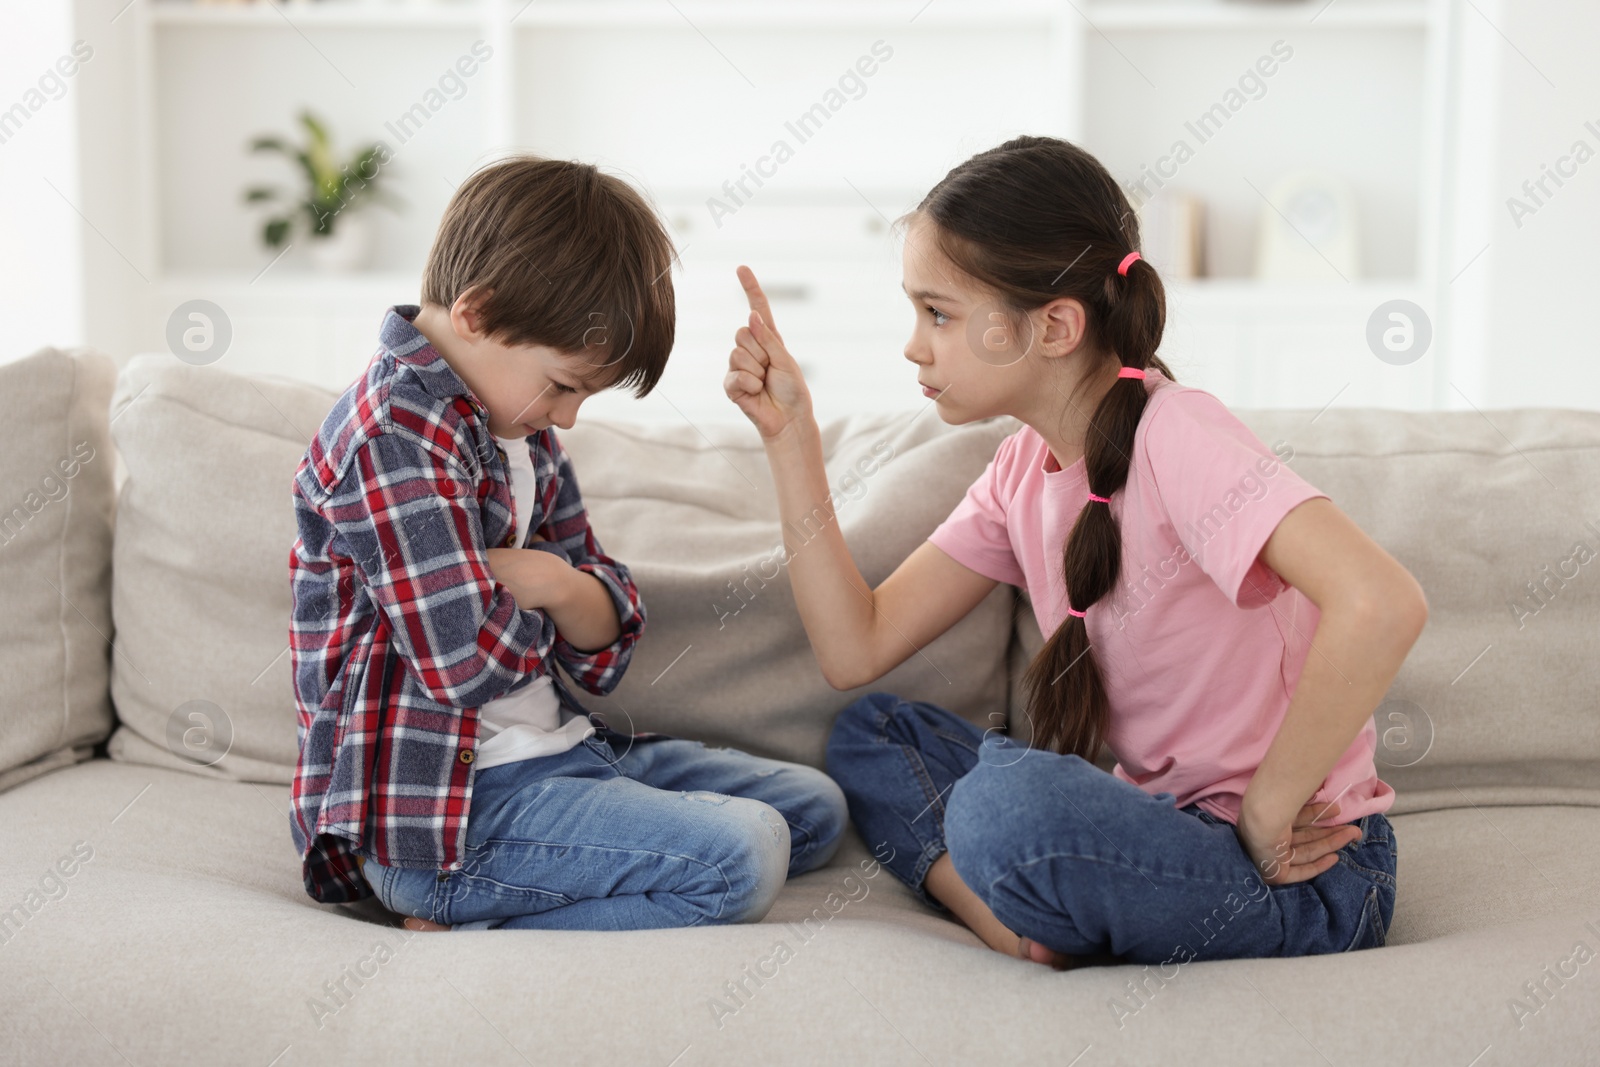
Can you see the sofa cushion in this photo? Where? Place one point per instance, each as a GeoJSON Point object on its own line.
{"type": "Point", "coordinates": [202, 597]}
{"type": "Point", "coordinates": [1497, 514]}
{"type": "Point", "coordinates": [200, 591]}
{"type": "Point", "coordinates": [724, 657]}
{"type": "Point", "coordinates": [196, 884]}
{"type": "Point", "coordinates": [58, 501]}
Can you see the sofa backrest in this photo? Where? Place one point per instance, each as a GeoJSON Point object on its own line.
{"type": "Point", "coordinates": [692, 511]}
{"type": "Point", "coordinates": [56, 504]}
{"type": "Point", "coordinates": [202, 597]}
{"type": "Point", "coordinates": [1495, 514]}
{"type": "Point", "coordinates": [201, 567]}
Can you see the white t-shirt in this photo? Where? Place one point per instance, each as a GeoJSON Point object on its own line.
{"type": "Point", "coordinates": [530, 721]}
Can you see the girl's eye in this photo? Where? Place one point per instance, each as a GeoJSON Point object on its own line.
{"type": "Point", "coordinates": [563, 388]}
{"type": "Point", "coordinates": [937, 316]}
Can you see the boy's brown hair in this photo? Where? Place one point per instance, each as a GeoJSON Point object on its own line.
{"type": "Point", "coordinates": [568, 257]}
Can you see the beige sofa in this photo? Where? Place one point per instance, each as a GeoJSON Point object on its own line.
{"type": "Point", "coordinates": [151, 904]}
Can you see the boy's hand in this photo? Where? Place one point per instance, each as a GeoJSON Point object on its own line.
{"type": "Point", "coordinates": [538, 580]}
{"type": "Point", "coordinates": [763, 378]}
{"type": "Point", "coordinates": [576, 601]}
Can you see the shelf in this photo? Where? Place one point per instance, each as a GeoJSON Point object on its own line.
{"type": "Point", "coordinates": [334, 14]}
{"type": "Point", "coordinates": [1218, 14]}
{"type": "Point", "coordinates": [605, 13]}
{"type": "Point", "coordinates": [312, 281]}
{"type": "Point", "coordinates": [1249, 294]}
{"type": "Point", "coordinates": [1313, 14]}
{"type": "Point", "coordinates": [992, 14]}
{"type": "Point", "coordinates": [817, 237]}
{"type": "Point", "coordinates": [865, 315]}
{"type": "Point", "coordinates": [295, 288]}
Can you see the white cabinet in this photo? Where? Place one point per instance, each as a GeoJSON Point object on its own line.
{"type": "Point", "coordinates": [689, 101]}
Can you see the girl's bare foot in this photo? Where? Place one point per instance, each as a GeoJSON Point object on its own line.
{"type": "Point", "coordinates": [1030, 949]}
{"type": "Point", "coordinates": [946, 886]}
{"type": "Point", "coordinates": [413, 923]}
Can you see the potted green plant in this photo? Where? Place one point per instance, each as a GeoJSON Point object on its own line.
{"type": "Point", "coordinates": [327, 207]}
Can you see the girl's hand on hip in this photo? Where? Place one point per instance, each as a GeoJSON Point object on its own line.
{"type": "Point", "coordinates": [1299, 851]}
{"type": "Point", "coordinates": [763, 378]}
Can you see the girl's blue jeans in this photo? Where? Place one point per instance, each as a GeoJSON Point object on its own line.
{"type": "Point", "coordinates": [1081, 861]}
{"type": "Point", "coordinates": [613, 835]}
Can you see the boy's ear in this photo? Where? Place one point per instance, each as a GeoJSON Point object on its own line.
{"type": "Point", "coordinates": [466, 314]}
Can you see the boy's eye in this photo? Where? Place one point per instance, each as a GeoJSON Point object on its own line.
{"type": "Point", "coordinates": [937, 316]}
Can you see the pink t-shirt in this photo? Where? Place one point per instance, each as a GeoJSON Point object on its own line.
{"type": "Point", "coordinates": [1200, 643]}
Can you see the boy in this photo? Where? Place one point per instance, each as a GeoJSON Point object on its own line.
{"type": "Point", "coordinates": [444, 766]}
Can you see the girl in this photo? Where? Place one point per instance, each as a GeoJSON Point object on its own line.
{"type": "Point", "coordinates": [1214, 620]}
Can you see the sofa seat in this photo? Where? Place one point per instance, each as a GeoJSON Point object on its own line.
{"type": "Point", "coordinates": [190, 907]}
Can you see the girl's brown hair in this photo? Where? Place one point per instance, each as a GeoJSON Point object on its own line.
{"type": "Point", "coordinates": [569, 257]}
{"type": "Point", "coordinates": [1034, 220]}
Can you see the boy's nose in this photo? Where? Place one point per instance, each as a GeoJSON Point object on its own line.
{"type": "Point", "coordinates": [565, 415]}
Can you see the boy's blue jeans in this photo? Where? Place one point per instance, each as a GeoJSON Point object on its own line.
{"type": "Point", "coordinates": [617, 836]}
{"type": "Point", "coordinates": [1083, 862]}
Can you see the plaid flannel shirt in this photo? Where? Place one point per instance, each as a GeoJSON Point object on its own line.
{"type": "Point", "coordinates": [400, 631]}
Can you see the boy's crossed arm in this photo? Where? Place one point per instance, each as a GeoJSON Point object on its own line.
{"type": "Point", "coordinates": [407, 516]}
{"type": "Point", "coordinates": [576, 601]}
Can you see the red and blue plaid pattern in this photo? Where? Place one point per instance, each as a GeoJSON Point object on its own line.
{"type": "Point", "coordinates": [400, 632]}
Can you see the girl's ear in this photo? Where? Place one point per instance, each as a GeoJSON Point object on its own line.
{"type": "Point", "coordinates": [1063, 325]}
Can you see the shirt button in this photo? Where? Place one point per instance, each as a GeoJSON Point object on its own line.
{"type": "Point", "coordinates": [465, 755]}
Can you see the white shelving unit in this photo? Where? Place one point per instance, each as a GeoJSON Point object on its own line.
{"type": "Point", "coordinates": [581, 80]}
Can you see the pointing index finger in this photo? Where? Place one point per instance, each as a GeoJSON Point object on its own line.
{"type": "Point", "coordinates": [757, 298]}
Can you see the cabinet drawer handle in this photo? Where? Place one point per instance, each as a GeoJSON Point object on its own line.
{"type": "Point", "coordinates": [788, 291]}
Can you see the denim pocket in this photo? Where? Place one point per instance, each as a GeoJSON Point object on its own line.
{"type": "Point", "coordinates": [1374, 855]}
{"type": "Point", "coordinates": [1370, 930]}
{"type": "Point", "coordinates": [1372, 858]}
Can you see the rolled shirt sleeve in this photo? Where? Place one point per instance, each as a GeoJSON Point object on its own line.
{"type": "Point", "coordinates": [567, 527]}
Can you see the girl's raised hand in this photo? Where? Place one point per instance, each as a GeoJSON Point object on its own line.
{"type": "Point", "coordinates": [763, 378]}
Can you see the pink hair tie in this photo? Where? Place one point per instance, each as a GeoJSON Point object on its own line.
{"type": "Point", "coordinates": [1102, 499]}
{"type": "Point", "coordinates": [1127, 261]}
{"type": "Point", "coordinates": [1079, 614]}
{"type": "Point", "coordinates": [1130, 372]}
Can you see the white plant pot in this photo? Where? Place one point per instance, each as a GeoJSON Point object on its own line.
{"type": "Point", "coordinates": [347, 249]}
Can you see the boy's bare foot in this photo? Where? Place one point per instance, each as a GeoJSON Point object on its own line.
{"type": "Point", "coordinates": [414, 923]}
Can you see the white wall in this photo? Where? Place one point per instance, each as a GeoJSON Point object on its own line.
{"type": "Point", "coordinates": [1513, 307]}
{"type": "Point", "coordinates": [41, 262]}
{"type": "Point", "coordinates": [1537, 287]}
